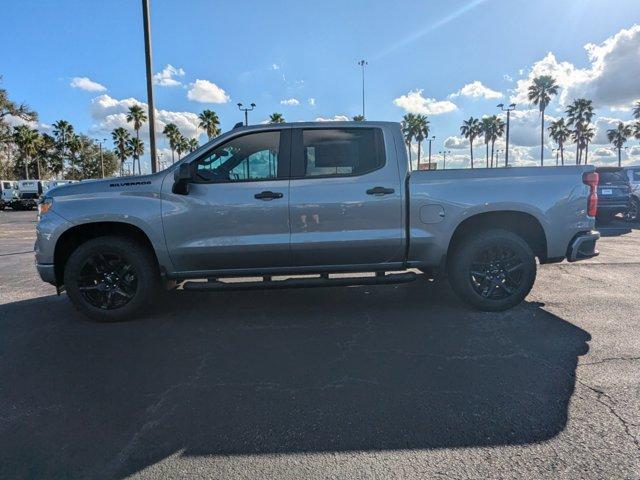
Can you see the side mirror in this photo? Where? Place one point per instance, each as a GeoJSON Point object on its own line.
{"type": "Point", "coordinates": [181, 179]}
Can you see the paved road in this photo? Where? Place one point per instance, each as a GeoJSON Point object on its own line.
{"type": "Point", "coordinates": [375, 382]}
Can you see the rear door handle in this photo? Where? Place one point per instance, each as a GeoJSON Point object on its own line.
{"type": "Point", "coordinates": [380, 191]}
{"type": "Point", "coordinates": [267, 195]}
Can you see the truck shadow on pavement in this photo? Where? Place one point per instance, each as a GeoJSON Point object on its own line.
{"type": "Point", "coordinates": [266, 372]}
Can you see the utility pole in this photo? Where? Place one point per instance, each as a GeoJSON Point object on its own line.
{"type": "Point", "coordinates": [147, 53]}
{"type": "Point", "coordinates": [444, 158]}
{"type": "Point", "coordinates": [430, 140]}
{"type": "Point", "coordinates": [101, 157]}
{"type": "Point", "coordinates": [509, 109]}
{"type": "Point", "coordinates": [363, 63]}
{"type": "Point", "coordinates": [246, 111]}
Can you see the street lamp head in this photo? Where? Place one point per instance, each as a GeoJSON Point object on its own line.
{"type": "Point", "coordinates": [239, 105]}
{"type": "Point", "coordinates": [253, 105]}
{"type": "Point", "coordinates": [433, 137]}
{"type": "Point", "coordinates": [513, 105]}
{"type": "Point", "coordinates": [500, 105]}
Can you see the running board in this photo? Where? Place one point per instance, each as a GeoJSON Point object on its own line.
{"type": "Point", "coordinates": [379, 279]}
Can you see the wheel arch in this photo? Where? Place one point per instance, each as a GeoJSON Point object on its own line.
{"type": "Point", "coordinates": [523, 224]}
{"type": "Point", "coordinates": [75, 236]}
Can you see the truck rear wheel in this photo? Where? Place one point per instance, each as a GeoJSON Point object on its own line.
{"type": "Point", "coordinates": [493, 271]}
{"type": "Point", "coordinates": [111, 278]}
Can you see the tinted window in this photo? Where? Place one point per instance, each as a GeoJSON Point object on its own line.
{"type": "Point", "coordinates": [634, 175]}
{"type": "Point", "coordinates": [613, 176]}
{"type": "Point", "coordinates": [247, 158]}
{"type": "Point", "coordinates": [6, 185]}
{"type": "Point", "coordinates": [338, 152]}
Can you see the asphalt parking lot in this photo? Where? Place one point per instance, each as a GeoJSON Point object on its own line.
{"type": "Point", "coordinates": [364, 382]}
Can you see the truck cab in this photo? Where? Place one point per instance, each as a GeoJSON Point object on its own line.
{"type": "Point", "coordinates": [6, 193]}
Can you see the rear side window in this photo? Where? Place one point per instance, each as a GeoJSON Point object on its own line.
{"type": "Point", "coordinates": [341, 151]}
{"type": "Point", "coordinates": [634, 175]}
{"type": "Point", "coordinates": [613, 176]}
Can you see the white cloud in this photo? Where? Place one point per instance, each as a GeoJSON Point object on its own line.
{"type": "Point", "coordinates": [456, 142]}
{"type": "Point", "coordinates": [85, 83]}
{"type": "Point", "coordinates": [204, 91]}
{"type": "Point", "coordinates": [476, 90]}
{"type": "Point", "coordinates": [414, 102]}
{"type": "Point", "coordinates": [290, 102]}
{"type": "Point", "coordinates": [167, 76]}
{"type": "Point", "coordinates": [335, 118]}
{"type": "Point", "coordinates": [275, 66]}
{"type": "Point", "coordinates": [109, 113]}
{"type": "Point", "coordinates": [610, 80]}
{"type": "Point", "coordinates": [603, 152]}
{"type": "Point", "coordinates": [312, 101]}
{"type": "Point", "coordinates": [507, 77]}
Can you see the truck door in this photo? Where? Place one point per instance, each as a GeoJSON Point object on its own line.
{"type": "Point", "coordinates": [345, 197]}
{"type": "Point", "coordinates": [236, 214]}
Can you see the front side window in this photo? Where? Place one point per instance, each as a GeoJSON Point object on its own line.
{"type": "Point", "coordinates": [341, 152]}
{"type": "Point", "coordinates": [247, 158]}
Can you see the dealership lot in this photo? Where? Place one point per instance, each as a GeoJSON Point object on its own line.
{"type": "Point", "coordinates": [386, 381]}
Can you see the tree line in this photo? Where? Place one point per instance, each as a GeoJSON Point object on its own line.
{"type": "Point", "coordinates": [576, 127]}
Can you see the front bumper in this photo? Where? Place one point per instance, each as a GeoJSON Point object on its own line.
{"type": "Point", "coordinates": [46, 272]}
{"type": "Point", "coordinates": [583, 246]}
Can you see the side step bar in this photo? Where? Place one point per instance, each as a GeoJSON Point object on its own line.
{"type": "Point", "coordinates": [379, 279]}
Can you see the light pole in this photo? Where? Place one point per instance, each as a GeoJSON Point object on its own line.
{"type": "Point", "coordinates": [101, 157]}
{"type": "Point", "coordinates": [430, 140]}
{"type": "Point", "coordinates": [509, 109]}
{"type": "Point", "coordinates": [363, 63]}
{"type": "Point", "coordinates": [444, 158]}
{"type": "Point", "coordinates": [146, 20]}
{"type": "Point", "coordinates": [498, 152]}
{"type": "Point", "coordinates": [246, 111]}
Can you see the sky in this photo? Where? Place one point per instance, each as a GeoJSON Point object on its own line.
{"type": "Point", "coordinates": [83, 61]}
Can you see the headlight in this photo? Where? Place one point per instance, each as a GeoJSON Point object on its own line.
{"type": "Point", "coordinates": [44, 206]}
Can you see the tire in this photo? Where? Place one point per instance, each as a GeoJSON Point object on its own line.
{"type": "Point", "coordinates": [634, 212]}
{"type": "Point", "coordinates": [111, 279]}
{"type": "Point", "coordinates": [493, 271]}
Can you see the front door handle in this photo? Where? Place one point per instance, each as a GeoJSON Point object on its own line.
{"type": "Point", "coordinates": [380, 191]}
{"type": "Point", "coordinates": [267, 195]}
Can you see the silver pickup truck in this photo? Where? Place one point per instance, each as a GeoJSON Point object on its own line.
{"type": "Point", "coordinates": [308, 201]}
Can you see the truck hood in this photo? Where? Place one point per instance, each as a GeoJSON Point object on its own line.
{"type": "Point", "coordinates": [131, 184]}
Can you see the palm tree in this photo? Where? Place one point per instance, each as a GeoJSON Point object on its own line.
{"type": "Point", "coordinates": [486, 128]}
{"type": "Point", "coordinates": [421, 132]}
{"type": "Point", "coordinates": [408, 130]}
{"type": "Point", "coordinates": [182, 145]}
{"type": "Point", "coordinates": [618, 137]}
{"type": "Point", "coordinates": [579, 115]}
{"type": "Point", "coordinates": [75, 146]}
{"type": "Point", "coordinates": [193, 144]}
{"type": "Point", "coordinates": [358, 118]}
{"type": "Point", "coordinates": [62, 131]}
{"type": "Point", "coordinates": [276, 118]}
{"type": "Point", "coordinates": [471, 129]}
{"type": "Point", "coordinates": [121, 138]}
{"type": "Point", "coordinates": [636, 110]}
{"type": "Point", "coordinates": [137, 116]}
{"type": "Point", "coordinates": [27, 139]}
{"type": "Point", "coordinates": [587, 135]}
{"type": "Point", "coordinates": [210, 122]}
{"type": "Point", "coordinates": [172, 133]}
{"type": "Point", "coordinates": [496, 131]}
{"type": "Point", "coordinates": [136, 147]}
{"type": "Point", "coordinates": [540, 93]}
{"type": "Point", "coordinates": [560, 133]}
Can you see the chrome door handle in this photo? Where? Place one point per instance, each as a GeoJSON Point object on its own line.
{"type": "Point", "coordinates": [267, 195]}
{"type": "Point", "coordinates": [380, 191]}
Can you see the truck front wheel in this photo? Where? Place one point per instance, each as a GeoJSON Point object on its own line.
{"type": "Point", "coordinates": [492, 271]}
{"type": "Point", "coordinates": [111, 278]}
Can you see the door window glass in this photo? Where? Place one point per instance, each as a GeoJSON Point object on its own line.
{"type": "Point", "coordinates": [341, 152]}
{"type": "Point", "coordinates": [247, 158]}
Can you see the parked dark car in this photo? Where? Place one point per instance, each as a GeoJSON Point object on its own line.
{"type": "Point", "coordinates": [614, 193]}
